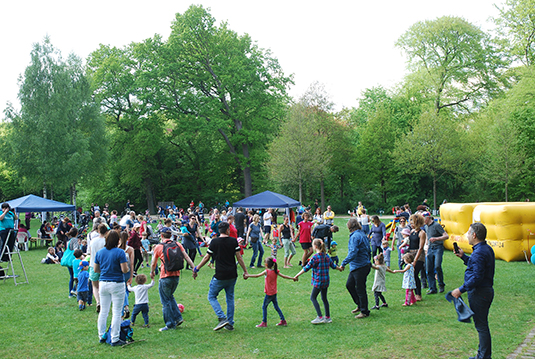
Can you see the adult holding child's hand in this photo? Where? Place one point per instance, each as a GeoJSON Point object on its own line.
{"type": "Point", "coordinates": [358, 258]}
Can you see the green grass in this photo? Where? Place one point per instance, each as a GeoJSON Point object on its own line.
{"type": "Point", "coordinates": [38, 320]}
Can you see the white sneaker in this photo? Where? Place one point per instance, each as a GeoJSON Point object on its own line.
{"type": "Point", "coordinates": [318, 320]}
{"type": "Point", "coordinates": [327, 320]}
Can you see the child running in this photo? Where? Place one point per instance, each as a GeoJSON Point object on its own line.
{"type": "Point", "coordinates": [320, 263]}
{"type": "Point", "coordinates": [141, 291]}
{"type": "Point", "coordinates": [379, 283]}
{"type": "Point", "coordinates": [270, 288]}
{"type": "Point", "coordinates": [409, 284]}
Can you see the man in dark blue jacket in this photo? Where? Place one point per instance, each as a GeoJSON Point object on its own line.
{"type": "Point", "coordinates": [478, 282]}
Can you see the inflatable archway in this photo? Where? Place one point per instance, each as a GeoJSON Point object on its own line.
{"type": "Point", "coordinates": [510, 226]}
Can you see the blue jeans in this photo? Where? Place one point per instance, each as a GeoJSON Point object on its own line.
{"type": "Point", "coordinates": [126, 277]}
{"type": "Point", "coordinates": [171, 314]}
{"type": "Point", "coordinates": [217, 286]}
{"type": "Point", "coordinates": [271, 299]}
{"type": "Point", "coordinates": [144, 309]}
{"type": "Point", "coordinates": [480, 300]}
{"type": "Point", "coordinates": [434, 265]}
{"type": "Point", "coordinates": [257, 247]}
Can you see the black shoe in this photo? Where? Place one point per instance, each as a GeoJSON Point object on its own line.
{"type": "Point", "coordinates": [102, 340]}
{"type": "Point", "coordinates": [384, 305]}
{"type": "Point", "coordinates": [179, 322]}
{"type": "Point", "coordinates": [441, 289]}
{"type": "Point", "coordinates": [118, 343]}
{"type": "Point", "coordinates": [375, 307]}
{"type": "Point", "coordinates": [431, 292]}
{"type": "Point", "coordinates": [222, 323]}
{"type": "Point", "coordinates": [299, 264]}
{"type": "Point", "coordinates": [229, 327]}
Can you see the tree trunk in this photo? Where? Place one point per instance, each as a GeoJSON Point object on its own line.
{"type": "Point", "coordinates": [247, 182]}
{"type": "Point", "coordinates": [342, 187]}
{"type": "Point", "coordinates": [506, 186]}
{"type": "Point", "coordinates": [149, 194]}
{"type": "Point", "coordinates": [434, 194]}
{"type": "Point", "coordinates": [44, 189]}
{"type": "Point", "coordinates": [322, 187]}
{"type": "Point", "coordinates": [300, 189]}
{"type": "Point", "coordinates": [73, 193]}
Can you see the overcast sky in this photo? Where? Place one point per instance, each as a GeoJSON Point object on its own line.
{"type": "Point", "coordinates": [346, 45]}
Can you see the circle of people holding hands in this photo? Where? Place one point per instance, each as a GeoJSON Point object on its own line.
{"type": "Point", "coordinates": [116, 248]}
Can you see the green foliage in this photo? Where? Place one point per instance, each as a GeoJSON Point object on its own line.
{"type": "Point", "coordinates": [58, 135]}
{"type": "Point", "coordinates": [454, 62]}
{"type": "Point", "coordinates": [517, 25]}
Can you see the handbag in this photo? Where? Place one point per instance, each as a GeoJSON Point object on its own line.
{"type": "Point", "coordinates": [68, 257]}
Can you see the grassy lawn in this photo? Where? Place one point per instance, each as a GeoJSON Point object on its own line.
{"type": "Point", "coordinates": [39, 320]}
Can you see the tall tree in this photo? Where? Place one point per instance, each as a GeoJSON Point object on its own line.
{"type": "Point", "coordinates": [211, 74]}
{"type": "Point", "coordinates": [455, 62]}
{"type": "Point", "coordinates": [517, 24]}
{"type": "Point", "coordinates": [58, 134]}
{"type": "Point", "coordinates": [434, 147]}
{"type": "Point", "coordinates": [504, 156]}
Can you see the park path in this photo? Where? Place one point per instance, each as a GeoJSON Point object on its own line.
{"type": "Point", "coordinates": [526, 350]}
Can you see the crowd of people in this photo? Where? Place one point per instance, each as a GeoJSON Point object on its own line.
{"type": "Point", "coordinates": [103, 264]}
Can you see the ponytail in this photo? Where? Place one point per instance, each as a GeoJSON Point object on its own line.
{"type": "Point", "coordinates": [318, 243]}
{"type": "Point", "coordinates": [271, 263]}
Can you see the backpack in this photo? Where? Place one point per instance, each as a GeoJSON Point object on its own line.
{"type": "Point", "coordinates": [173, 258]}
{"type": "Point", "coordinates": [126, 332]}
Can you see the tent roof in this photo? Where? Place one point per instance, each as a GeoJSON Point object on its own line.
{"type": "Point", "coordinates": [32, 203]}
{"type": "Point", "coordinates": [267, 199]}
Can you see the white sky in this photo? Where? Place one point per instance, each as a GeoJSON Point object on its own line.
{"type": "Point", "coordinates": [346, 45]}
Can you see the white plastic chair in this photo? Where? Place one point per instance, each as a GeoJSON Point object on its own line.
{"type": "Point", "coordinates": [22, 238]}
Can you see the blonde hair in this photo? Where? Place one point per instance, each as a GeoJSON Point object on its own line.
{"type": "Point", "coordinates": [417, 220]}
{"type": "Point", "coordinates": [256, 218]}
{"type": "Point", "coordinates": [318, 243]}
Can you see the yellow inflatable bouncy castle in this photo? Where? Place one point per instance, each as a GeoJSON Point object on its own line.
{"type": "Point", "coordinates": [510, 226]}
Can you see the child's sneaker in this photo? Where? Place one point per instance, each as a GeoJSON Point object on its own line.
{"type": "Point", "coordinates": [145, 326]}
{"type": "Point", "coordinates": [282, 323]}
{"type": "Point", "coordinates": [317, 320]}
{"type": "Point", "coordinates": [262, 325]}
{"type": "Point", "coordinates": [327, 320]}
{"type": "Point", "coordinates": [384, 305]}
{"type": "Point", "coordinates": [81, 307]}
{"type": "Point", "coordinates": [375, 307]}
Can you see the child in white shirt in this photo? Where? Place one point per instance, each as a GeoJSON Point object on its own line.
{"type": "Point", "coordinates": [141, 291]}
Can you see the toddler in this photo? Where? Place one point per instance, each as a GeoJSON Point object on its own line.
{"type": "Point", "coordinates": [320, 263]}
{"type": "Point", "coordinates": [83, 284]}
{"type": "Point", "coordinates": [333, 252]}
{"type": "Point", "coordinates": [141, 291]}
{"type": "Point", "coordinates": [51, 257]}
{"type": "Point", "coordinates": [270, 288]}
{"type": "Point", "coordinates": [275, 245]}
{"type": "Point", "coordinates": [379, 283]}
{"type": "Point", "coordinates": [409, 284]}
{"type": "Point", "coordinates": [78, 257]}
{"type": "Point", "coordinates": [145, 248]}
{"type": "Point", "coordinates": [386, 252]}
{"type": "Point", "coordinates": [403, 247]}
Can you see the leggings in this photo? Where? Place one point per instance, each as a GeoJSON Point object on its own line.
{"type": "Point", "coordinates": [138, 259]}
{"type": "Point", "coordinates": [417, 269]}
{"type": "Point", "coordinates": [378, 295]}
{"type": "Point", "coordinates": [314, 299]}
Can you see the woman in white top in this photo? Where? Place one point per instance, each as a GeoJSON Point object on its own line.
{"type": "Point", "coordinates": [364, 220]}
{"type": "Point", "coordinates": [318, 216]}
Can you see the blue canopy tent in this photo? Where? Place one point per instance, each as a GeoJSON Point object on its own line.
{"type": "Point", "coordinates": [267, 199]}
{"type": "Point", "coordinates": [32, 203]}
